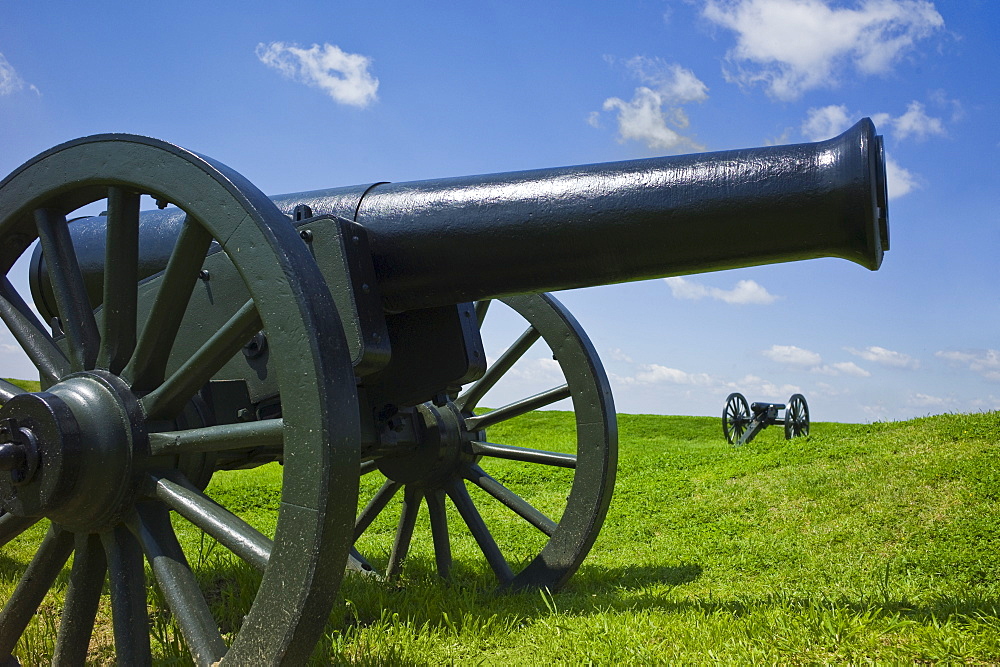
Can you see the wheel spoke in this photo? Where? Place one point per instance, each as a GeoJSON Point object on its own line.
{"type": "Point", "coordinates": [8, 390]}
{"type": "Point", "coordinates": [481, 308]}
{"type": "Point", "coordinates": [439, 532]}
{"type": "Point", "coordinates": [148, 364]}
{"type": "Point", "coordinates": [375, 506]}
{"type": "Point", "coordinates": [128, 596]}
{"type": "Point", "coordinates": [121, 279]}
{"type": "Point", "coordinates": [223, 437]}
{"type": "Point", "coordinates": [470, 515]}
{"type": "Point", "coordinates": [404, 531]}
{"type": "Point", "coordinates": [511, 500]}
{"type": "Point", "coordinates": [519, 408]}
{"type": "Point", "coordinates": [523, 454]}
{"type": "Point", "coordinates": [32, 587]}
{"type": "Point", "coordinates": [75, 312]}
{"type": "Point", "coordinates": [83, 596]}
{"type": "Point", "coordinates": [367, 467]}
{"type": "Point", "coordinates": [171, 397]}
{"type": "Point", "coordinates": [29, 333]}
{"type": "Point", "coordinates": [178, 584]}
{"type": "Point", "coordinates": [11, 526]}
{"type": "Point", "coordinates": [228, 529]}
{"type": "Point", "coordinates": [471, 397]}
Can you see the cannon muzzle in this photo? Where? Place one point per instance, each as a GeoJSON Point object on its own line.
{"type": "Point", "coordinates": [454, 240]}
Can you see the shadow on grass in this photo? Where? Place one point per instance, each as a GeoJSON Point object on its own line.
{"type": "Point", "coordinates": [427, 601]}
{"type": "Point", "coordinates": [596, 579]}
{"type": "Point", "coordinates": [10, 567]}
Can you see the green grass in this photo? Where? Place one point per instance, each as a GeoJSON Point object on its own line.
{"type": "Point", "coordinates": [861, 543]}
{"type": "Point", "coordinates": [29, 385]}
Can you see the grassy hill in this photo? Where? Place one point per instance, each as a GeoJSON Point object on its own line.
{"type": "Point", "coordinates": [861, 543]}
{"type": "Point", "coordinates": [864, 542]}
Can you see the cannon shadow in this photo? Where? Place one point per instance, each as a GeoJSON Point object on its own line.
{"type": "Point", "coordinates": [631, 589]}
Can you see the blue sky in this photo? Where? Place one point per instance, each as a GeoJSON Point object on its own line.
{"type": "Point", "coordinates": [304, 95]}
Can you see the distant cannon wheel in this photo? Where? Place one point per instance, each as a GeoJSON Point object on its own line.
{"type": "Point", "coordinates": [796, 417]}
{"type": "Point", "coordinates": [533, 509]}
{"type": "Point", "coordinates": [735, 417]}
{"type": "Point", "coordinates": [118, 428]}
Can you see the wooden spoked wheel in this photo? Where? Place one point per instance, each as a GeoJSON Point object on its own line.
{"type": "Point", "coordinates": [471, 472]}
{"type": "Point", "coordinates": [119, 452]}
{"type": "Point", "coordinates": [796, 417]}
{"type": "Point", "coordinates": [735, 417]}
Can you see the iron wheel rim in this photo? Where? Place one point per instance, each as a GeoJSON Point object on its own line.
{"type": "Point", "coordinates": [570, 538]}
{"type": "Point", "coordinates": [319, 430]}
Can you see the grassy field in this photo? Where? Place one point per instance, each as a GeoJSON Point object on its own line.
{"type": "Point", "coordinates": [861, 543]}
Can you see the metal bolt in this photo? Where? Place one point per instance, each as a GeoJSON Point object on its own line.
{"type": "Point", "coordinates": [256, 346]}
{"type": "Point", "coordinates": [301, 212]}
{"type": "Point", "coordinates": [306, 235]}
{"type": "Point", "coordinates": [161, 203]}
{"type": "Point", "coordinates": [203, 274]}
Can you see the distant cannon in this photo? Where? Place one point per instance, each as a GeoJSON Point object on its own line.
{"type": "Point", "coordinates": [338, 333]}
{"type": "Point", "coordinates": [742, 422]}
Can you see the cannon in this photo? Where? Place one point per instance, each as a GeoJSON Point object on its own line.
{"type": "Point", "coordinates": [337, 333]}
{"type": "Point", "coordinates": [741, 422]}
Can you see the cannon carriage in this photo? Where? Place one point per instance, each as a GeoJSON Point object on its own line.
{"type": "Point", "coordinates": [742, 421]}
{"type": "Point", "coordinates": [338, 333]}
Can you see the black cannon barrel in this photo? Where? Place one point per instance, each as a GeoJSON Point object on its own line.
{"type": "Point", "coordinates": [461, 239]}
{"type": "Point", "coordinates": [452, 240]}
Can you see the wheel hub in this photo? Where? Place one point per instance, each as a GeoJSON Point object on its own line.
{"type": "Point", "coordinates": [442, 448]}
{"type": "Point", "coordinates": [69, 453]}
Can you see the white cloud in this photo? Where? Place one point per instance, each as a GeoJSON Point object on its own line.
{"type": "Point", "coordinates": [792, 355]}
{"type": "Point", "coordinates": [10, 80]}
{"type": "Point", "coordinates": [881, 355]}
{"type": "Point", "coordinates": [989, 403]}
{"type": "Point", "coordinates": [791, 46]}
{"type": "Point", "coordinates": [618, 354]}
{"type": "Point", "coordinates": [544, 370]}
{"type": "Point", "coordinates": [744, 292]}
{"type": "Point", "coordinates": [829, 121]}
{"type": "Point", "coordinates": [655, 374]}
{"type": "Point", "coordinates": [656, 111]}
{"type": "Point", "coordinates": [825, 122]}
{"type": "Point", "coordinates": [758, 388]}
{"type": "Point", "coordinates": [678, 383]}
{"type": "Point", "coordinates": [678, 84]}
{"type": "Point", "coordinates": [841, 368]}
{"type": "Point", "coordinates": [941, 99]}
{"type": "Point", "coordinates": [928, 401]}
{"type": "Point", "coordinates": [984, 362]}
{"type": "Point", "coordinates": [913, 123]}
{"type": "Point", "coordinates": [345, 77]}
{"type": "Point", "coordinates": [899, 181]}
